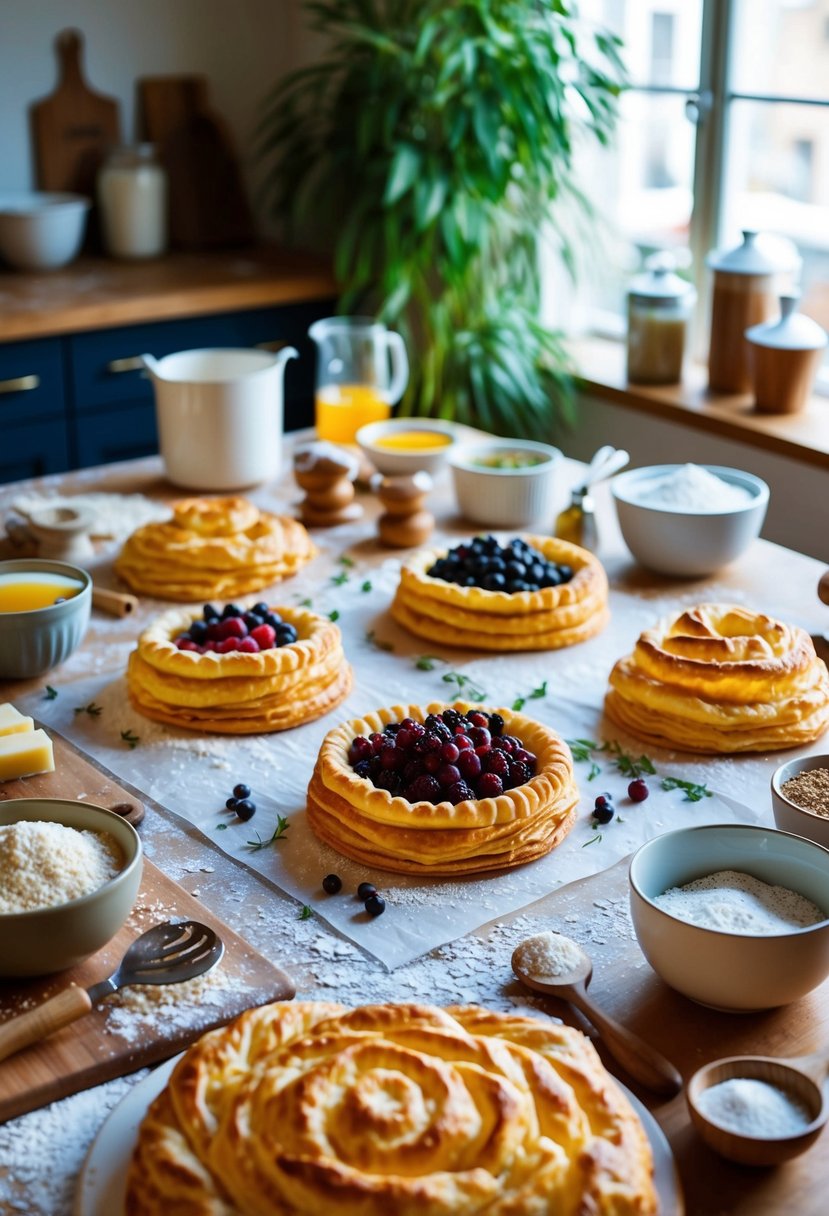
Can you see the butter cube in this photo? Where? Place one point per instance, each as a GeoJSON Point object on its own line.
{"type": "Point", "coordinates": [12, 721]}
{"type": "Point", "coordinates": [24, 754]}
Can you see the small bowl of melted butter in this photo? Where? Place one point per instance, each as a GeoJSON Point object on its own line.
{"type": "Point", "coordinates": [44, 613]}
{"type": "Point", "coordinates": [407, 445]}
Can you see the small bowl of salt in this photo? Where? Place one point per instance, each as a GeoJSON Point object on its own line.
{"type": "Point", "coordinates": [758, 1110]}
{"type": "Point", "coordinates": [689, 520]}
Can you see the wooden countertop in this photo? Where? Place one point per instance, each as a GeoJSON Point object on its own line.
{"type": "Point", "coordinates": [98, 293]}
{"type": "Point", "coordinates": [804, 437]}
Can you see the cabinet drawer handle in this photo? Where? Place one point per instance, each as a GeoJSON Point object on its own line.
{"type": "Point", "coordinates": [20, 384]}
{"type": "Point", "coordinates": [274, 345]}
{"type": "Point", "coordinates": [133, 363]}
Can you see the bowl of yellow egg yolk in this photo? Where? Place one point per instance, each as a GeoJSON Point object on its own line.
{"type": "Point", "coordinates": [407, 445]}
{"type": "Point", "coordinates": [44, 612]}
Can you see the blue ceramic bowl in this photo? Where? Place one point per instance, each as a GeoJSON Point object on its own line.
{"type": "Point", "coordinates": [35, 641]}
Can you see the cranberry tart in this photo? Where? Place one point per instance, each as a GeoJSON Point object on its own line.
{"type": "Point", "coordinates": [442, 791]}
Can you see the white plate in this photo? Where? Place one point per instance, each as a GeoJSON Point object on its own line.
{"type": "Point", "coordinates": [104, 1174]}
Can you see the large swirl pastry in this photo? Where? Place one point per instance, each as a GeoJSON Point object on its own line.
{"type": "Point", "coordinates": [442, 839]}
{"type": "Point", "coordinates": [721, 678]}
{"type": "Point", "coordinates": [239, 693]}
{"type": "Point", "coordinates": [548, 619]}
{"type": "Point", "coordinates": [390, 1110]}
{"type": "Point", "coordinates": [213, 548]}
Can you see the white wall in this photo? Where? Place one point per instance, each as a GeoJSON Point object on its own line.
{"type": "Point", "coordinates": [798, 514]}
{"type": "Point", "coordinates": [242, 46]}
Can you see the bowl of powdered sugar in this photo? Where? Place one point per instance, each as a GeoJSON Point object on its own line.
{"type": "Point", "coordinates": [734, 916]}
{"type": "Point", "coordinates": [69, 875]}
{"type": "Point", "coordinates": [689, 520]}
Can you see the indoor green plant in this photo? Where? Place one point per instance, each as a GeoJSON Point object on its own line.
{"type": "Point", "coordinates": [431, 142]}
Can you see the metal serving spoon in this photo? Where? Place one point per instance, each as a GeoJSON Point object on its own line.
{"type": "Point", "coordinates": [166, 954]}
{"type": "Point", "coordinates": [643, 1062]}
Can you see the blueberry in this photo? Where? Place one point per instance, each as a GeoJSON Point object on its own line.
{"type": "Point", "coordinates": [375, 905]}
{"type": "Point", "coordinates": [516, 570]}
{"type": "Point", "coordinates": [365, 889]}
{"type": "Point", "coordinates": [494, 582]}
{"type": "Point", "coordinates": [245, 809]}
{"type": "Point", "coordinates": [210, 613]}
{"type": "Point", "coordinates": [198, 631]}
{"type": "Point", "coordinates": [273, 619]}
{"type": "Point", "coordinates": [332, 884]}
{"type": "Point", "coordinates": [261, 609]}
{"type": "Point", "coordinates": [285, 634]}
{"type": "Point", "coordinates": [253, 620]}
{"type": "Point", "coordinates": [232, 803]}
{"type": "Point", "coordinates": [241, 790]}
{"type": "Point", "coordinates": [496, 724]}
{"type": "Point", "coordinates": [603, 813]}
{"type": "Point", "coordinates": [230, 610]}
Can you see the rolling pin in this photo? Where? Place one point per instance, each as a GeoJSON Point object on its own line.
{"type": "Point", "coordinates": [823, 588]}
{"type": "Point", "coordinates": [116, 603]}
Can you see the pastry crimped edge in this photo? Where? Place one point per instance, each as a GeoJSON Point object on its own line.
{"type": "Point", "coordinates": [368, 824]}
{"type": "Point", "coordinates": [284, 1112]}
{"type": "Point", "coordinates": [548, 619]}
{"type": "Point", "coordinates": [768, 691]}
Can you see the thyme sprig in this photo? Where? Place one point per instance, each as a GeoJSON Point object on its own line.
{"type": "Point", "coordinates": [130, 739]}
{"type": "Point", "coordinates": [427, 662]}
{"type": "Point", "coordinates": [536, 695]}
{"type": "Point", "coordinates": [693, 791]}
{"type": "Point", "coordinates": [279, 831]}
{"type": "Point", "coordinates": [630, 766]}
{"type": "Point", "coordinates": [339, 579]}
{"type": "Point", "coordinates": [50, 693]}
{"type": "Point", "coordinates": [464, 686]}
{"type": "Point", "coordinates": [92, 709]}
{"type": "Point", "coordinates": [306, 913]}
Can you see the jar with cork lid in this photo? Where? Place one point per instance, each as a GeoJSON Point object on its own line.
{"type": "Point", "coordinates": [747, 280]}
{"type": "Point", "coordinates": [660, 304]}
{"type": "Point", "coordinates": [132, 195]}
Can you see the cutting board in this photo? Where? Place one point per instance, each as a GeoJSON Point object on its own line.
{"type": "Point", "coordinates": [113, 1039]}
{"type": "Point", "coordinates": [594, 911]}
{"type": "Point", "coordinates": [208, 206]}
{"type": "Point", "coordinates": [72, 127]}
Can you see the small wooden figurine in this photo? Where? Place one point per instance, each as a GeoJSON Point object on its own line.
{"type": "Point", "coordinates": [326, 473]}
{"type": "Point", "coordinates": [405, 523]}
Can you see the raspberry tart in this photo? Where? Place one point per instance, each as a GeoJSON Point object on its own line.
{"type": "Point", "coordinates": [443, 791]}
{"type": "Point", "coordinates": [237, 671]}
{"type": "Point", "coordinates": [528, 593]}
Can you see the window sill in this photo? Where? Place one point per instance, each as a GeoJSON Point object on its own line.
{"type": "Point", "coordinates": [804, 437]}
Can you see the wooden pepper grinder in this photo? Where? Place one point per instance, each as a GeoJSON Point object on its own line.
{"type": "Point", "coordinates": [326, 473]}
{"type": "Point", "coordinates": [405, 522]}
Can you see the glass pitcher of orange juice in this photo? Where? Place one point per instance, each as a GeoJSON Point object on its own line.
{"type": "Point", "coordinates": [362, 370]}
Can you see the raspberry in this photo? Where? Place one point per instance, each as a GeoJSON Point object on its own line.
{"type": "Point", "coordinates": [459, 792]}
{"type": "Point", "coordinates": [519, 774]}
{"type": "Point", "coordinates": [489, 785]}
{"type": "Point", "coordinates": [265, 635]}
{"type": "Point", "coordinates": [248, 645]}
{"type": "Point", "coordinates": [185, 643]}
{"type": "Point", "coordinates": [232, 627]}
{"type": "Point", "coordinates": [496, 762]}
{"type": "Point", "coordinates": [423, 789]}
{"type": "Point", "coordinates": [227, 645]}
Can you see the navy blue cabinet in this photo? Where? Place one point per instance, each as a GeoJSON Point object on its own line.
{"type": "Point", "coordinates": [82, 400]}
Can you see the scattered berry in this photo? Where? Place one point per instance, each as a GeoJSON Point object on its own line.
{"type": "Point", "coordinates": [332, 884]}
{"type": "Point", "coordinates": [241, 790]}
{"type": "Point", "coordinates": [638, 790]}
{"type": "Point", "coordinates": [375, 905]}
{"type": "Point", "coordinates": [603, 811]}
{"type": "Point", "coordinates": [245, 809]}
{"type": "Point", "coordinates": [232, 803]}
{"type": "Point", "coordinates": [602, 801]}
{"type": "Point", "coordinates": [365, 889]}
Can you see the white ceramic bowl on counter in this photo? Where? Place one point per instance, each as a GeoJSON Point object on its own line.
{"type": "Point", "coordinates": [34, 640]}
{"type": "Point", "coordinates": [399, 446]}
{"type": "Point", "coordinates": [507, 483]}
{"type": "Point", "coordinates": [736, 972]}
{"type": "Point", "coordinates": [790, 817]}
{"type": "Point", "coordinates": [41, 231]}
{"type": "Point", "coordinates": [678, 541]}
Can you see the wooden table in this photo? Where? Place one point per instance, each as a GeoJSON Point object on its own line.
{"type": "Point", "coordinates": [477, 968]}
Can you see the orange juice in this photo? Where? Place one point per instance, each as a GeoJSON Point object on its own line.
{"type": "Point", "coordinates": [341, 409]}
{"type": "Point", "coordinates": [21, 592]}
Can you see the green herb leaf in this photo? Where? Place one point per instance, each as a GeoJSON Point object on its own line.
{"type": "Point", "coordinates": [221, 827]}
{"type": "Point", "coordinates": [50, 693]}
{"type": "Point", "coordinates": [334, 615]}
{"type": "Point", "coordinates": [306, 913]}
{"type": "Point", "coordinates": [583, 748]}
{"type": "Point", "coordinates": [306, 603]}
{"type": "Point", "coordinates": [373, 640]}
{"type": "Point", "coordinates": [339, 579]}
{"type": "Point", "coordinates": [279, 831]}
{"type": "Point", "coordinates": [595, 769]}
{"type": "Point", "coordinates": [538, 693]}
{"type": "Point", "coordinates": [366, 586]}
{"type": "Point", "coordinates": [130, 739]}
{"type": "Point", "coordinates": [92, 709]}
{"type": "Point", "coordinates": [426, 662]}
{"type": "Point", "coordinates": [345, 560]}
{"type": "Point", "coordinates": [464, 687]}
{"type": "Point", "coordinates": [693, 792]}
{"type": "Point", "coordinates": [592, 840]}
{"type": "Point", "coordinates": [518, 704]}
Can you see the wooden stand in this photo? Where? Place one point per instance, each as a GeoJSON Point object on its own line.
{"type": "Point", "coordinates": [405, 523]}
{"type": "Point", "coordinates": [326, 473]}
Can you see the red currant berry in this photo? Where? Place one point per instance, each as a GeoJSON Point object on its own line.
{"type": "Point", "coordinates": [265, 635]}
{"type": "Point", "coordinates": [638, 790]}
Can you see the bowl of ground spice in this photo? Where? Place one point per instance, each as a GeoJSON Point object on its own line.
{"type": "Point", "coordinates": [800, 797]}
{"type": "Point", "coordinates": [69, 876]}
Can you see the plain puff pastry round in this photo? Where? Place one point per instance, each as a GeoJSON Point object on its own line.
{"type": "Point", "coordinates": [440, 839]}
{"type": "Point", "coordinates": [390, 1110]}
{"type": "Point", "coordinates": [213, 548]}
{"type": "Point", "coordinates": [496, 620]}
{"type": "Point", "coordinates": [721, 678]}
{"type": "Point", "coordinates": [238, 693]}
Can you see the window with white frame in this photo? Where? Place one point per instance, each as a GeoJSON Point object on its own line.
{"type": "Point", "coordinates": [724, 127]}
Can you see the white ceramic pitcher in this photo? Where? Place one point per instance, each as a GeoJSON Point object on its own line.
{"type": "Point", "coordinates": [220, 415]}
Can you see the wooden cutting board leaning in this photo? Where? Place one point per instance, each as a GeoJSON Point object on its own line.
{"type": "Point", "coordinates": [128, 1031]}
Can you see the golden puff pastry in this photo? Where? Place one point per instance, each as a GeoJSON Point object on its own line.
{"type": "Point", "coordinates": [391, 1110]}
{"type": "Point", "coordinates": [213, 548]}
{"type": "Point", "coordinates": [479, 835]}
{"type": "Point", "coordinates": [721, 678]}
{"type": "Point", "coordinates": [473, 617]}
{"type": "Point", "coordinates": [238, 693]}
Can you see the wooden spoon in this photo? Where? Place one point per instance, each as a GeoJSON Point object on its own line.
{"type": "Point", "coordinates": [637, 1057]}
{"type": "Point", "coordinates": [801, 1077]}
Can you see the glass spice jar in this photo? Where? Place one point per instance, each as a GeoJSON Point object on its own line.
{"type": "Point", "coordinates": [660, 304]}
{"type": "Point", "coordinates": [132, 196]}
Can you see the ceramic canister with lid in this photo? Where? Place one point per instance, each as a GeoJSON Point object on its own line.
{"type": "Point", "coordinates": [659, 310]}
{"type": "Point", "coordinates": [784, 357]}
{"type": "Point", "coordinates": [745, 293]}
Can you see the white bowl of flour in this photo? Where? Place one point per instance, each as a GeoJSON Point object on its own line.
{"type": "Point", "coordinates": [689, 520]}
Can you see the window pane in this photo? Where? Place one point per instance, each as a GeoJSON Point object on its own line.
{"type": "Point", "coordinates": [778, 182]}
{"type": "Point", "coordinates": [661, 38]}
{"type": "Point", "coordinates": [781, 48]}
